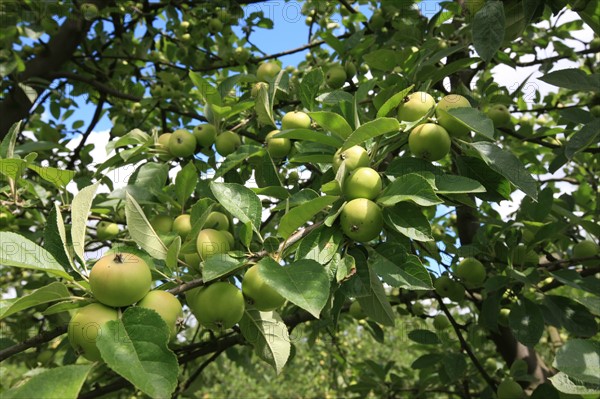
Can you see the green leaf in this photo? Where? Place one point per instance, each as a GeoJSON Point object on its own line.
{"type": "Point", "coordinates": [574, 79]}
{"type": "Point", "coordinates": [393, 102]}
{"type": "Point", "coordinates": [372, 129]}
{"type": "Point", "coordinates": [58, 383]}
{"type": "Point", "coordinates": [408, 219]}
{"type": "Point", "coordinates": [587, 136]}
{"type": "Point", "coordinates": [309, 88]}
{"type": "Point", "coordinates": [7, 147]}
{"type": "Point", "coordinates": [264, 108]}
{"type": "Point", "coordinates": [320, 245]}
{"type": "Point", "coordinates": [497, 188]}
{"type": "Point", "coordinates": [269, 336]}
{"type": "Point", "coordinates": [383, 59]}
{"type": "Point", "coordinates": [208, 92]}
{"type": "Point", "coordinates": [454, 365]}
{"type": "Point", "coordinates": [590, 15]}
{"type": "Point", "coordinates": [424, 337]}
{"type": "Point", "coordinates": [50, 293]}
{"type": "Point", "coordinates": [80, 207]}
{"type": "Point", "coordinates": [580, 360]}
{"type": "Point", "coordinates": [301, 214]}
{"type": "Point", "coordinates": [218, 266]}
{"type": "Point", "coordinates": [332, 122]}
{"type": "Point", "coordinates": [18, 251]}
{"type": "Point", "coordinates": [141, 230]}
{"type": "Point", "coordinates": [240, 201]}
{"type": "Point", "coordinates": [566, 384]}
{"type": "Point", "coordinates": [55, 237]}
{"type": "Point", "coordinates": [451, 68]}
{"type": "Point", "coordinates": [242, 154]}
{"type": "Point", "coordinates": [12, 168]}
{"type": "Point", "coordinates": [311, 135]}
{"type": "Point", "coordinates": [185, 183]}
{"type": "Point", "coordinates": [574, 317]}
{"type": "Point", "coordinates": [488, 29]}
{"type": "Point", "coordinates": [526, 322]}
{"type": "Point", "coordinates": [59, 177]}
{"type": "Point", "coordinates": [173, 254]}
{"type": "Point", "coordinates": [304, 283]}
{"type": "Point", "coordinates": [136, 348]}
{"type": "Point", "coordinates": [454, 184]}
{"type": "Point", "coordinates": [508, 165]}
{"type": "Point", "coordinates": [398, 268]}
{"type": "Point", "coordinates": [410, 187]}
{"type": "Point", "coordinates": [374, 303]}
{"type": "Point", "coordinates": [475, 120]}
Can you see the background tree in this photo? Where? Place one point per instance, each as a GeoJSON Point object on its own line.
{"type": "Point", "coordinates": [362, 184]}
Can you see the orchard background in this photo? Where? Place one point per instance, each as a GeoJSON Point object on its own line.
{"type": "Point", "coordinates": [90, 88]}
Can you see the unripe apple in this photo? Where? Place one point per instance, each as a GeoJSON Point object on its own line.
{"type": "Point", "coordinates": [186, 37]}
{"type": "Point", "coordinates": [182, 225]}
{"type": "Point", "coordinates": [193, 261]}
{"type": "Point", "coordinates": [278, 147]}
{"type": "Point", "coordinates": [295, 120]}
{"type": "Point", "coordinates": [449, 122]}
{"type": "Point", "coordinates": [418, 309]}
{"type": "Point", "coordinates": [503, 317]}
{"type": "Point", "coordinates": [182, 143]}
{"type": "Point", "coordinates": [471, 272]}
{"type": "Point", "coordinates": [217, 307]}
{"type": "Point", "coordinates": [350, 69]}
{"type": "Point", "coordinates": [262, 295]}
{"type": "Point", "coordinates": [106, 230]}
{"type": "Point", "coordinates": [595, 110]}
{"type": "Point", "coordinates": [162, 224]}
{"type": "Point", "coordinates": [227, 143]}
{"type": "Point", "coordinates": [89, 11]}
{"type": "Point", "coordinates": [163, 140]}
{"type": "Point", "coordinates": [429, 141]}
{"type": "Point", "coordinates": [215, 25]}
{"type": "Point", "coordinates": [361, 220]}
{"type": "Point", "coordinates": [356, 311]}
{"type": "Point", "coordinates": [84, 328]}
{"type": "Point", "coordinates": [257, 87]}
{"type": "Point", "coordinates": [267, 71]}
{"type": "Point", "coordinates": [211, 242]}
{"type": "Point", "coordinates": [217, 221]}
{"type": "Point", "coordinates": [441, 322]}
{"type": "Point", "coordinates": [377, 21]}
{"type": "Point", "coordinates": [230, 238]}
{"type": "Point", "coordinates": [118, 130]}
{"type": "Point", "coordinates": [585, 249]}
{"type": "Point", "coordinates": [354, 157]}
{"type": "Point", "coordinates": [363, 183]}
{"type": "Point", "coordinates": [166, 305]}
{"type": "Point", "coordinates": [415, 106]}
{"type": "Point", "coordinates": [184, 25]}
{"type": "Point", "coordinates": [510, 389]}
{"type": "Point", "coordinates": [241, 55]}
{"type": "Point", "coordinates": [335, 77]}
{"type": "Point", "coordinates": [499, 115]}
{"type": "Point", "coordinates": [446, 287]}
{"type": "Point", "coordinates": [205, 134]}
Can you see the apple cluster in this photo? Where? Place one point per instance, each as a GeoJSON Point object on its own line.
{"type": "Point", "coordinates": [183, 144]}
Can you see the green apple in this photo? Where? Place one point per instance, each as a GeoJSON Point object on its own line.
{"type": "Point", "coordinates": [217, 221]}
{"type": "Point", "coordinates": [186, 37]}
{"type": "Point", "coordinates": [241, 55]}
{"type": "Point", "coordinates": [162, 224]}
{"type": "Point", "coordinates": [415, 106]}
{"type": "Point", "coordinates": [182, 143]}
{"type": "Point", "coordinates": [585, 249]}
{"type": "Point", "coordinates": [499, 114]}
{"type": "Point", "coordinates": [510, 389]}
{"type": "Point", "coordinates": [429, 141]}
{"type": "Point", "coordinates": [257, 87]}
{"type": "Point", "coordinates": [205, 134]}
{"type": "Point", "coordinates": [262, 295]}
{"type": "Point", "coordinates": [217, 307]}
{"type": "Point", "coordinates": [350, 69]}
{"type": "Point", "coordinates": [193, 261]}
{"type": "Point", "coordinates": [336, 77]}
{"type": "Point", "coordinates": [106, 230]}
{"type": "Point", "coordinates": [215, 25]}
{"type": "Point", "coordinates": [356, 311]}
{"type": "Point", "coordinates": [118, 130]}
{"type": "Point", "coordinates": [595, 110]}
{"type": "Point", "coordinates": [295, 120]}
{"type": "Point", "coordinates": [361, 220]}
{"type": "Point", "coordinates": [449, 122]}
{"type": "Point", "coordinates": [88, 323]}
{"type": "Point", "coordinates": [471, 272]}
{"type": "Point", "coordinates": [227, 142]}
{"type": "Point", "coordinates": [503, 317]}
{"type": "Point", "coordinates": [278, 147]}
{"type": "Point", "coordinates": [377, 21]}
{"type": "Point", "coordinates": [418, 309]}
{"type": "Point", "coordinates": [211, 242]}
{"type": "Point", "coordinates": [163, 140]}
{"type": "Point", "coordinates": [354, 157]}
{"type": "Point", "coordinates": [267, 71]}
{"type": "Point", "coordinates": [182, 225]}
{"type": "Point", "coordinates": [362, 183]}
{"type": "Point", "coordinates": [441, 322]}
{"type": "Point", "coordinates": [184, 25]}
{"type": "Point", "coordinates": [448, 288]}
{"type": "Point", "coordinates": [166, 305]}
{"type": "Point", "coordinates": [230, 238]}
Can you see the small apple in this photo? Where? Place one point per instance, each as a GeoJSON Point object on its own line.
{"type": "Point", "coordinates": [227, 143]}
{"type": "Point", "coordinates": [356, 311]}
{"type": "Point", "coordinates": [278, 147]}
{"type": "Point", "coordinates": [415, 106]}
{"type": "Point", "coordinates": [336, 77]}
{"type": "Point", "coordinates": [186, 37]}
{"type": "Point", "coordinates": [215, 25]}
{"type": "Point", "coordinates": [585, 249]}
{"type": "Point", "coordinates": [449, 122]}
{"type": "Point", "coordinates": [257, 87]}
{"type": "Point", "coordinates": [447, 288]}
{"type": "Point", "coordinates": [217, 221]}
{"type": "Point", "coordinates": [429, 141]}
{"type": "Point", "coordinates": [205, 134]}
{"type": "Point", "coordinates": [361, 220]}
{"type": "Point", "coordinates": [471, 272]}
{"type": "Point", "coordinates": [106, 230]}
{"type": "Point", "coordinates": [162, 224]}
{"type": "Point", "coordinates": [499, 114]}
{"type": "Point", "coordinates": [362, 183]}
{"type": "Point", "coordinates": [211, 242]}
{"type": "Point", "coordinates": [166, 305]}
{"type": "Point", "coordinates": [184, 25]}
{"type": "Point", "coordinates": [267, 71]}
{"type": "Point", "coordinates": [118, 130]}
{"type": "Point", "coordinates": [217, 307]}
{"type": "Point", "coordinates": [295, 120]}
{"type": "Point", "coordinates": [241, 55]}
{"type": "Point", "coordinates": [418, 309]}
{"type": "Point", "coordinates": [182, 143]}
{"type": "Point", "coordinates": [163, 140]}
{"type": "Point", "coordinates": [595, 110]}
{"type": "Point", "coordinates": [354, 157]}
{"type": "Point", "coordinates": [230, 238]}
{"type": "Point", "coordinates": [350, 69]}
{"type": "Point", "coordinates": [262, 296]}
{"type": "Point", "coordinates": [510, 389]}
{"type": "Point", "coordinates": [182, 225]}
{"type": "Point", "coordinates": [503, 317]}
{"type": "Point", "coordinates": [441, 322]}
{"type": "Point", "coordinates": [193, 261]}
{"type": "Point", "coordinates": [377, 21]}
{"type": "Point", "coordinates": [85, 327]}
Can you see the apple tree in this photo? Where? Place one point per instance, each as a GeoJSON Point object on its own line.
{"type": "Point", "coordinates": [250, 209]}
